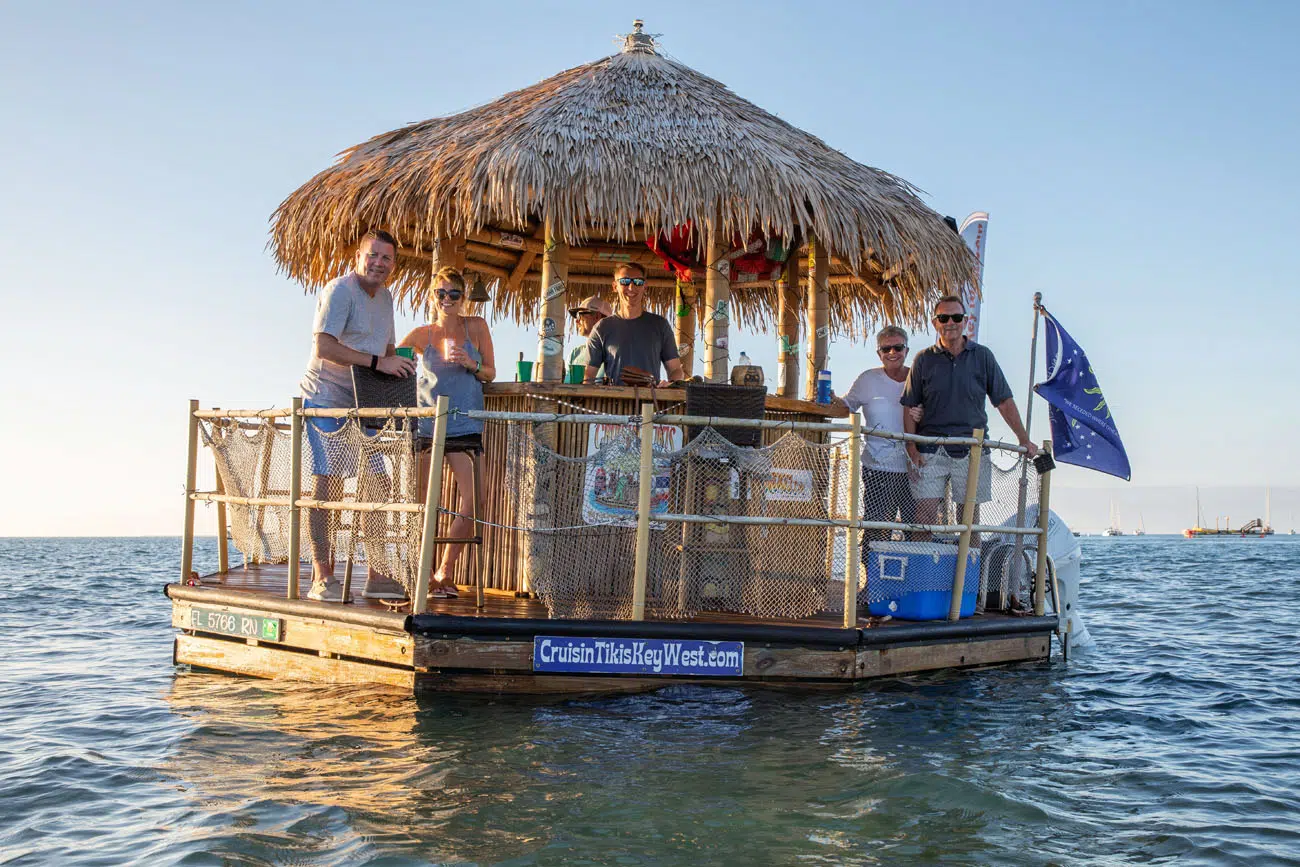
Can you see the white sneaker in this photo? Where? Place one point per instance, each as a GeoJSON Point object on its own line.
{"type": "Point", "coordinates": [383, 587]}
{"type": "Point", "coordinates": [329, 590]}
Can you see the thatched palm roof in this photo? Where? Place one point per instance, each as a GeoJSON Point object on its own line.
{"type": "Point", "coordinates": [613, 152]}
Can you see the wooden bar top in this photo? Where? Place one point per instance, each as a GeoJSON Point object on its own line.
{"type": "Point", "coordinates": [575, 393]}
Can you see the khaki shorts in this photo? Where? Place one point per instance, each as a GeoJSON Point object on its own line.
{"type": "Point", "coordinates": [941, 468]}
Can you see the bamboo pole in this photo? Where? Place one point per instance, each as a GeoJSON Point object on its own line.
{"type": "Point", "coordinates": [550, 326]}
{"type": "Point", "coordinates": [295, 492]}
{"type": "Point", "coordinates": [191, 475]}
{"type": "Point", "coordinates": [834, 501]}
{"type": "Point", "coordinates": [717, 307]}
{"type": "Point", "coordinates": [818, 301]}
{"type": "Point", "coordinates": [307, 503]}
{"type": "Point", "coordinates": [684, 319]}
{"type": "Point", "coordinates": [787, 350]}
{"type": "Point", "coordinates": [223, 555]}
{"type": "Point", "coordinates": [855, 533]}
{"type": "Point", "coordinates": [643, 510]}
{"type": "Point", "coordinates": [1022, 495]}
{"type": "Point", "coordinates": [432, 498]}
{"type": "Point", "coordinates": [756, 521]}
{"type": "Point", "coordinates": [283, 412]}
{"type": "Point", "coordinates": [968, 519]}
{"type": "Point", "coordinates": [1044, 518]}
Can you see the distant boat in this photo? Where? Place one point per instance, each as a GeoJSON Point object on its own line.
{"type": "Point", "coordinates": [1142, 527]}
{"type": "Point", "coordinates": [1114, 528]}
{"type": "Point", "coordinates": [1257, 527]}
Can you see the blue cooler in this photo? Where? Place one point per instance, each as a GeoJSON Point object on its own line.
{"type": "Point", "coordinates": [913, 580]}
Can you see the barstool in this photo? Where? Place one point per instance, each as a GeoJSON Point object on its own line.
{"type": "Point", "coordinates": [475, 451]}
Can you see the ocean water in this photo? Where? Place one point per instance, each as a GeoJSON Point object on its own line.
{"type": "Point", "coordinates": [1177, 740]}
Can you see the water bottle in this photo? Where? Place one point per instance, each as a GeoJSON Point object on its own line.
{"type": "Point", "coordinates": [744, 360]}
{"type": "Point", "coordinates": [823, 386]}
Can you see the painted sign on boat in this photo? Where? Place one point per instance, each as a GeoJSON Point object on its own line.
{"type": "Point", "coordinates": [677, 656]}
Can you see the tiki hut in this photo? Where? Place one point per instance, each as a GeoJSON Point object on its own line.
{"type": "Point", "coordinates": [555, 184]}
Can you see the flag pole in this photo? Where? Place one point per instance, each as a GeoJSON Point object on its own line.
{"type": "Point", "coordinates": [1017, 564]}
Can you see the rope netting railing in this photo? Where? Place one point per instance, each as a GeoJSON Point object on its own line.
{"type": "Point", "coordinates": [771, 532]}
{"type": "Point", "coordinates": [756, 531]}
{"type": "Point", "coordinates": [364, 479]}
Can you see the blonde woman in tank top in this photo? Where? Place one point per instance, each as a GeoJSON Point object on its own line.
{"type": "Point", "coordinates": [456, 358]}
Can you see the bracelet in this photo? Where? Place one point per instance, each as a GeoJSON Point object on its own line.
{"type": "Point", "coordinates": [374, 362]}
{"type": "Point", "coordinates": [478, 365]}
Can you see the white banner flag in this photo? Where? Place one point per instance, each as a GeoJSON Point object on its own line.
{"type": "Point", "coordinates": [975, 232]}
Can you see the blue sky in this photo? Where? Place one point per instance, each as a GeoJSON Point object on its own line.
{"type": "Point", "coordinates": [1137, 160]}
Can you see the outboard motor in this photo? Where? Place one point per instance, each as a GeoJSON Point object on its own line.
{"type": "Point", "coordinates": [1063, 563]}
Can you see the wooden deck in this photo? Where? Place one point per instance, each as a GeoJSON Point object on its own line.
{"type": "Point", "coordinates": [458, 647]}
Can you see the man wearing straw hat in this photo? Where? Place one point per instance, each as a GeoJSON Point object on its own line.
{"type": "Point", "coordinates": [949, 381]}
{"type": "Point", "coordinates": [633, 341]}
{"type": "Point", "coordinates": [592, 309]}
{"type": "Point", "coordinates": [353, 326]}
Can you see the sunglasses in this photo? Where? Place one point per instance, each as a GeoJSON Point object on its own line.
{"type": "Point", "coordinates": [631, 281]}
{"type": "Point", "coordinates": [453, 294]}
{"type": "Point", "coordinates": [944, 318]}
{"type": "Point", "coordinates": [893, 347]}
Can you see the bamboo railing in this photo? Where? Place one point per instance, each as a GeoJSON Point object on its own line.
{"type": "Point", "coordinates": [648, 419]}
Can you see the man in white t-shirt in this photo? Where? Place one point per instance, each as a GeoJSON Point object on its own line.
{"type": "Point", "coordinates": [886, 494]}
{"type": "Point", "coordinates": [353, 326]}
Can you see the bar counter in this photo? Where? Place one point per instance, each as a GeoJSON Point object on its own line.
{"type": "Point", "coordinates": [502, 548]}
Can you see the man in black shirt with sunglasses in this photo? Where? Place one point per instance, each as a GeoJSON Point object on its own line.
{"type": "Point", "coordinates": [633, 337]}
{"type": "Point", "coordinates": [950, 381]}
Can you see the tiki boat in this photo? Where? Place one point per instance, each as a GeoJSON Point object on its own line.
{"type": "Point", "coordinates": [624, 538]}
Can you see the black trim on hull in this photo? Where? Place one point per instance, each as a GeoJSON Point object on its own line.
{"type": "Point", "coordinates": [446, 625]}
{"type": "Point", "coordinates": [436, 625]}
{"type": "Point", "coordinates": [969, 628]}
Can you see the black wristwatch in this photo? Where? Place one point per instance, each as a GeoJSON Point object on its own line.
{"type": "Point", "coordinates": [374, 362]}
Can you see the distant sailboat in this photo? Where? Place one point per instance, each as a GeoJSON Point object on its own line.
{"type": "Point", "coordinates": [1113, 529]}
{"type": "Point", "coordinates": [1142, 527]}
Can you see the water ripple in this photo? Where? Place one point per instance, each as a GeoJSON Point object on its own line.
{"type": "Point", "coordinates": [1176, 739]}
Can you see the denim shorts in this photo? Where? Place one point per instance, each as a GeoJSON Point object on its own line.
{"type": "Point", "coordinates": [330, 455]}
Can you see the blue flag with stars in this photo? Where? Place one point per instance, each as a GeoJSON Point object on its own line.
{"type": "Point", "coordinates": [1083, 431]}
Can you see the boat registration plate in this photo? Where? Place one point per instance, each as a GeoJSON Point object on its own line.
{"type": "Point", "coordinates": [662, 656]}
{"type": "Point", "coordinates": [233, 623]}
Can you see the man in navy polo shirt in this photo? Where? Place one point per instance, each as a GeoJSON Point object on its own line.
{"type": "Point", "coordinates": [950, 381]}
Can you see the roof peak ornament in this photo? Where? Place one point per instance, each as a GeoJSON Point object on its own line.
{"type": "Point", "coordinates": [638, 42]}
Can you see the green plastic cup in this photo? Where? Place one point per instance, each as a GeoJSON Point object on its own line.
{"type": "Point", "coordinates": [406, 352]}
{"type": "Point", "coordinates": [524, 370]}
{"type": "Point", "coordinates": [577, 372]}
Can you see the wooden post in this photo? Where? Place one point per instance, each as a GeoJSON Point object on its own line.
{"type": "Point", "coordinates": [646, 483]}
{"type": "Point", "coordinates": [717, 306]}
{"type": "Point", "coordinates": [967, 518]}
{"type": "Point", "coordinates": [855, 532]}
{"type": "Point", "coordinates": [432, 498]}
{"type": "Point", "coordinates": [223, 556]}
{"type": "Point", "coordinates": [550, 325]}
{"type": "Point", "coordinates": [1044, 518]}
{"type": "Point", "coordinates": [818, 300]}
{"type": "Point", "coordinates": [684, 319]}
{"type": "Point", "coordinates": [295, 493]}
{"type": "Point", "coordinates": [191, 475]}
{"type": "Point", "coordinates": [787, 350]}
{"type": "Point", "coordinates": [264, 484]}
